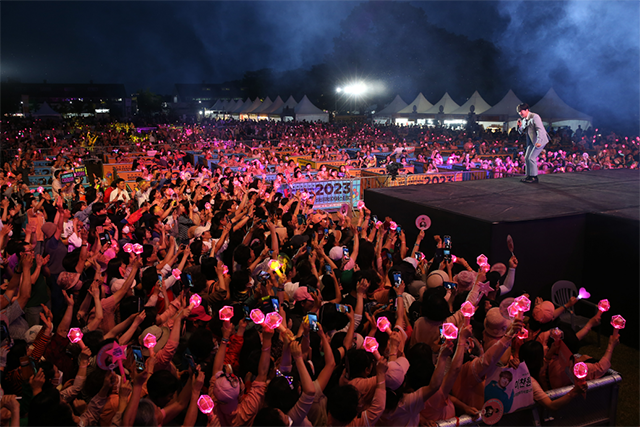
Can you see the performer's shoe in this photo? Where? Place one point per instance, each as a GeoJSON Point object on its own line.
{"type": "Point", "coordinates": [530, 180]}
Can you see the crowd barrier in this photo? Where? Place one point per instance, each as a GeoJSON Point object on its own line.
{"type": "Point", "coordinates": [598, 408]}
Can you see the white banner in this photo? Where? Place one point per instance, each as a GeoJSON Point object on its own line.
{"type": "Point", "coordinates": [511, 386]}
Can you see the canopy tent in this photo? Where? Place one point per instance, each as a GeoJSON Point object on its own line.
{"type": "Point", "coordinates": [386, 113]}
{"type": "Point", "coordinates": [476, 101]}
{"type": "Point", "coordinates": [419, 105]}
{"type": "Point", "coordinates": [273, 107]}
{"type": "Point", "coordinates": [448, 105]}
{"type": "Point", "coordinates": [305, 110]}
{"type": "Point", "coordinates": [234, 105]}
{"type": "Point", "coordinates": [290, 103]}
{"type": "Point", "coordinates": [218, 106]}
{"type": "Point", "coordinates": [265, 104]}
{"type": "Point", "coordinates": [46, 111]}
{"type": "Point", "coordinates": [556, 113]}
{"type": "Point", "coordinates": [251, 108]}
{"type": "Point", "coordinates": [241, 107]}
{"type": "Point", "coordinates": [503, 113]}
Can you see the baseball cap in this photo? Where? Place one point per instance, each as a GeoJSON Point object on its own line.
{"type": "Point", "coordinates": [336, 253]}
{"type": "Point", "coordinates": [199, 313]}
{"type": "Point", "coordinates": [437, 278]}
{"type": "Point", "coordinates": [543, 312]}
{"type": "Point", "coordinates": [302, 294]}
{"type": "Point", "coordinates": [396, 371]}
{"type": "Point", "coordinates": [495, 325]}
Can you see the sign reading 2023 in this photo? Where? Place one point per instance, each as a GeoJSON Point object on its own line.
{"type": "Point", "coordinates": [327, 192]}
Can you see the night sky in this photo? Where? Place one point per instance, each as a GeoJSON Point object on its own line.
{"type": "Point", "coordinates": [589, 52]}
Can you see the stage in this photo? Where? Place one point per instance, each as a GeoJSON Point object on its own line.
{"type": "Point", "coordinates": [582, 227]}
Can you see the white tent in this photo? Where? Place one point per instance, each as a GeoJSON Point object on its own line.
{"type": "Point", "coordinates": [46, 111]}
{"type": "Point", "coordinates": [503, 113]}
{"type": "Point", "coordinates": [305, 110]}
{"type": "Point", "coordinates": [273, 107]}
{"type": "Point", "coordinates": [218, 106]}
{"type": "Point", "coordinates": [479, 105]}
{"type": "Point", "coordinates": [265, 104]}
{"type": "Point", "coordinates": [386, 113]}
{"type": "Point", "coordinates": [448, 105]}
{"type": "Point", "coordinates": [290, 103]}
{"type": "Point", "coordinates": [555, 113]}
{"type": "Point", "coordinates": [251, 108]}
{"type": "Point", "coordinates": [234, 105]}
{"type": "Point", "coordinates": [419, 105]}
{"type": "Point", "coordinates": [241, 107]}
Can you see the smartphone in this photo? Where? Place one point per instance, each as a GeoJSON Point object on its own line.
{"type": "Point", "coordinates": [326, 232]}
{"type": "Point", "coordinates": [398, 229]}
{"type": "Point", "coordinates": [275, 302]}
{"type": "Point", "coordinates": [160, 278]}
{"type": "Point", "coordinates": [301, 219]}
{"type": "Point", "coordinates": [397, 278]}
{"type": "Point", "coordinates": [374, 218]}
{"type": "Point", "coordinates": [447, 254]}
{"type": "Point", "coordinates": [341, 308]}
{"type": "Point", "coordinates": [313, 322]}
{"type": "Point", "coordinates": [187, 280]}
{"type": "Point", "coordinates": [442, 338]}
{"type": "Point", "coordinates": [447, 242]}
{"type": "Point", "coordinates": [345, 253]}
{"type": "Point", "coordinates": [309, 248]}
{"type": "Point", "coordinates": [137, 357]}
{"type": "Point", "coordinates": [327, 269]}
{"type": "Point", "coordinates": [105, 238]}
{"type": "Point", "coordinates": [266, 305]}
{"type": "Point", "coordinates": [263, 276]}
{"type": "Point", "coordinates": [450, 285]}
{"type": "Point", "coordinates": [190, 361]}
{"type": "Point", "coordinates": [419, 256]}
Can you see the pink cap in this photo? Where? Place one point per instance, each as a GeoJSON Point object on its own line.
{"type": "Point", "coordinates": [618, 322]}
{"type": "Point", "coordinates": [149, 340]}
{"type": "Point", "coordinates": [195, 300]}
{"type": "Point", "coordinates": [257, 316]}
{"type": "Point", "coordinates": [383, 323]}
{"type": "Point", "coordinates": [273, 320]}
{"type": "Point", "coordinates": [604, 305]}
{"type": "Point", "coordinates": [449, 331]}
{"type": "Point", "coordinates": [205, 403]}
{"type": "Point", "coordinates": [226, 313]}
{"type": "Point", "coordinates": [467, 309]}
{"type": "Point", "coordinates": [370, 344]}
{"type": "Point", "coordinates": [580, 370]}
{"type": "Point", "coordinates": [74, 335]}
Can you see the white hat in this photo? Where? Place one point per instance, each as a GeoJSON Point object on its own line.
{"type": "Point", "coordinates": [396, 371]}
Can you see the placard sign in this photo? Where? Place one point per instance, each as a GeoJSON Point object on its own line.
{"type": "Point", "coordinates": [510, 386]}
{"type": "Point", "coordinates": [80, 172]}
{"type": "Point", "coordinates": [328, 193]}
{"type": "Point", "coordinates": [67, 177]}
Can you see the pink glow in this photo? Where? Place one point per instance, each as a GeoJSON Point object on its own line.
{"type": "Point", "coordinates": [454, 258]}
{"type": "Point", "coordinates": [273, 320]}
{"type": "Point", "coordinates": [137, 249]}
{"type": "Point", "coordinates": [604, 305]}
{"type": "Point", "coordinates": [149, 340]}
{"type": "Point", "coordinates": [513, 309]}
{"type": "Point", "coordinates": [383, 324]}
{"type": "Point", "coordinates": [580, 370]}
{"type": "Point", "coordinates": [482, 260]}
{"type": "Point", "coordinates": [360, 205]}
{"type": "Point", "coordinates": [370, 344]}
{"type": "Point", "coordinates": [583, 294]}
{"type": "Point", "coordinates": [225, 270]}
{"type": "Point", "coordinates": [257, 316]}
{"type": "Point", "coordinates": [195, 300]}
{"type": "Point", "coordinates": [523, 303]}
{"type": "Point", "coordinates": [556, 334]}
{"type": "Point", "coordinates": [449, 331]}
{"type": "Point", "coordinates": [176, 273]}
{"type": "Point", "coordinates": [75, 335]}
{"type": "Point", "coordinates": [523, 334]}
{"type": "Point", "coordinates": [128, 248]}
{"type": "Point", "coordinates": [393, 226]}
{"type": "Point", "coordinates": [618, 322]}
{"type": "Point", "coordinates": [467, 309]}
{"type": "Point", "coordinates": [226, 313]}
{"type": "Point", "coordinates": [205, 404]}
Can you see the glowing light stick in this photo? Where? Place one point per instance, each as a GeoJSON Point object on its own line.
{"type": "Point", "coordinates": [118, 354]}
{"type": "Point", "coordinates": [580, 370]}
{"type": "Point", "coordinates": [360, 205]}
{"type": "Point", "coordinates": [273, 320]}
{"type": "Point", "coordinates": [523, 334]}
{"type": "Point", "coordinates": [205, 404]}
{"type": "Point", "coordinates": [618, 323]}
{"type": "Point", "coordinates": [75, 336]}
{"type": "Point", "coordinates": [40, 190]}
{"type": "Point", "coordinates": [225, 270]}
{"type": "Point", "coordinates": [449, 331]}
{"type": "Point", "coordinates": [207, 206]}
{"type": "Point", "coordinates": [378, 224]}
{"type": "Point", "coordinates": [383, 324]}
{"type": "Point", "coordinates": [482, 260]}
{"type": "Point", "coordinates": [149, 341]}
{"type": "Point", "coordinates": [176, 273]}
{"type": "Point", "coordinates": [195, 300]}
{"type": "Point", "coordinates": [454, 258]}
{"type": "Point", "coordinates": [513, 309]}
{"type": "Point", "coordinates": [226, 313]}
{"type": "Point", "coordinates": [524, 303]}
{"type": "Point", "coordinates": [393, 226]}
{"type": "Point", "coordinates": [468, 310]}
{"type": "Point", "coordinates": [257, 316]}
{"type": "Point", "coordinates": [557, 334]}
{"type": "Point", "coordinates": [137, 249]}
{"type": "Point", "coordinates": [370, 344]}
{"type": "Point", "coordinates": [583, 294]}
{"type": "Point", "coordinates": [604, 305]}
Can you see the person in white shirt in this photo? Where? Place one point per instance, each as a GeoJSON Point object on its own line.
{"type": "Point", "coordinates": [120, 193]}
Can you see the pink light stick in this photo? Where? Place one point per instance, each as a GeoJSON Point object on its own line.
{"type": "Point", "coordinates": [618, 323]}
{"type": "Point", "coordinates": [195, 300]}
{"type": "Point", "coordinates": [176, 273]}
{"type": "Point", "coordinates": [257, 316]}
{"type": "Point", "coordinates": [557, 334]}
{"type": "Point", "coordinates": [360, 205]}
{"type": "Point", "coordinates": [513, 310]}
{"type": "Point", "coordinates": [75, 336]}
{"type": "Point", "coordinates": [128, 248]}
{"type": "Point", "coordinates": [604, 305]}
{"type": "Point", "coordinates": [226, 313]}
{"type": "Point", "coordinates": [524, 303]}
{"type": "Point", "coordinates": [393, 226]}
{"type": "Point", "coordinates": [370, 344]}
{"type": "Point", "coordinates": [273, 320]}
{"type": "Point", "coordinates": [205, 404]}
{"type": "Point", "coordinates": [137, 249]}
{"type": "Point", "coordinates": [580, 370]}
{"type": "Point", "coordinates": [583, 294]}
{"type": "Point", "coordinates": [383, 324]}
{"type": "Point", "coordinates": [468, 310]}
{"type": "Point", "coordinates": [523, 334]}
{"type": "Point", "coordinates": [449, 331]}
{"type": "Point", "coordinates": [149, 341]}
{"type": "Point", "coordinates": [482, 260]}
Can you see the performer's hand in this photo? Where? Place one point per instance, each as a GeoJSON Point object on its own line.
{"type": "Point", "coordinates": [519, 123]}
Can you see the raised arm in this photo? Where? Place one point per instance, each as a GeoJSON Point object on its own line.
{"type": "Point", "coordinates": [265, 357]}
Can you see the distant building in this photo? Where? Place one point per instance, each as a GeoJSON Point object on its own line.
{"type": "Point", "coordinates": [68, 99]}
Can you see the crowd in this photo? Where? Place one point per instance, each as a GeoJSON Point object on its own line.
{"type": "Point", "coordinates": [218, 298]}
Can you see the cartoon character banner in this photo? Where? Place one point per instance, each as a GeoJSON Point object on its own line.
{"type": "Point", "coordinates": [510, 386]}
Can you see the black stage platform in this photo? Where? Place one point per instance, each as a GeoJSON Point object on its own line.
{"type": "Point", "coordinates": [582, 227]}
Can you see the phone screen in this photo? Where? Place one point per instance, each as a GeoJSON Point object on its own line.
{"type": "Point", "coordinates": [313, 322]}
{"type": "Point", "coordinates": [345, 253]}
{"type": "Point", "coordinates": [397, 278]}
{"type": "Point", "coordinates": [341, 308]}
{"type": "Point", "coordinates": [442, 338]}
{"type": "Point", "coordinates": [247, 312]}
{"type": "Point", "coordinates": [447, 242]}
{"type": "Point", "coordinates": [327, 268]}
{"type": "Point", "coordinates": [447, 254]}
{"type": "Point", "coordinates": [137, 357]}
{"type": "Point", "coordinates": [450, 285]}
{"type": "Point", "coordinates": [276, 304]}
